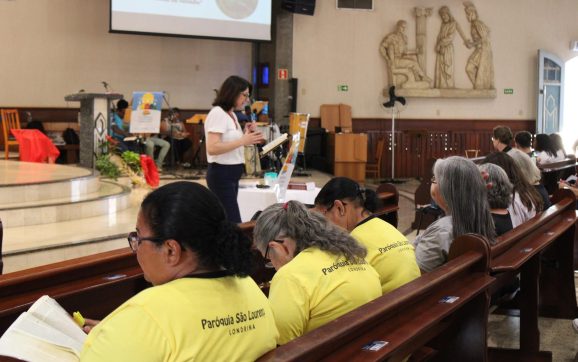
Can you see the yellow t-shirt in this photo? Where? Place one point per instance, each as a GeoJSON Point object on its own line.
{"type": "Point", "coordinates": [205, 319]}
{"type": "Point", "coordinates": [315, 288]}
{"type": "Point", "coordinates": [388, 251]}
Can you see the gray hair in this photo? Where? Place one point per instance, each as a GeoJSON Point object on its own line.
{"type": "Point", "coordinates": [527, 166]}
{"type": "Point", "coordinates": [464, 192]}
{"type": "Point", "coordinates": [501, 189]}
{"type": "Point", "coordinates": [307, 228]}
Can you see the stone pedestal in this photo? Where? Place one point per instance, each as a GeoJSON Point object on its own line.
{"type": "Point", "coordinates": [94, 118]}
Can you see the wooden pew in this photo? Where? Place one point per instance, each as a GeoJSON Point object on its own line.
{"type": "Point", "coordinates": [1, 238]}
{"type": "Point", "coordinates": [95, 284]}
{"type": "Point", "coordinates": [541, 251]}
{"type": "Point", "coordinates": [411, 317]}
{"type": "Point", "coordinates": [389, 196]}
{"type": "Point", "coordinates": [552, 172]}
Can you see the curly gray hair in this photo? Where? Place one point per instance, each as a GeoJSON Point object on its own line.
{"type": "Point", "coordinates": [500, 192]}
{"type": "Point", "coordinates": [307, 228]}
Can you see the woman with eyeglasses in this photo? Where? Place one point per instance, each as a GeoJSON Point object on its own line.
{"type": "Point", "coordinates": [349, 206]}
{"type": "Point", "coordinates": [225, 141]}
{"type": "Point", "coordinates": [202, 305]}
{"type": "Point", "coordinates": [459, 189]}
{"type": "Point", "coordinates": [321, 273]}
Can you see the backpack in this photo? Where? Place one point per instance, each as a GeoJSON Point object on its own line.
{"type": "Point", "coordinates": [70, 137]}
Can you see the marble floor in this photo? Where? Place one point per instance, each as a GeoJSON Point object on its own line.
{"type": "Point", "coordinates": [30, 245]}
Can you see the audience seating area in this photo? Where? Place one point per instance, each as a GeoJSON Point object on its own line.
{"type": "Point", "coordinates": [441, 315]}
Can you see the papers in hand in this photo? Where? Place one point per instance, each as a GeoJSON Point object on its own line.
{"type": "Point", "coordinates": [274, 144]}
{"type": "Point", "coordinates": [45, 333]}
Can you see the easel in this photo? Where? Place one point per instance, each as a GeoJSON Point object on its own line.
{"type": "Point", "coordinates": [298, 122]}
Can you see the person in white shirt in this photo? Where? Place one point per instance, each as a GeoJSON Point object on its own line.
{"type": "Point", "coordinates": [545, 150]}
{"type": "Point", "coordinates": [225, 144]}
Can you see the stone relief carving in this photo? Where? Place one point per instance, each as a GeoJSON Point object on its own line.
{"type": "Point", "coordinates": [480, 66]}
{"type": "Point", "coordinates": [407, 68]}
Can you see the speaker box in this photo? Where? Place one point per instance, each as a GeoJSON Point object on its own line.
{"type": "Point", "coordinates": [306, 7]}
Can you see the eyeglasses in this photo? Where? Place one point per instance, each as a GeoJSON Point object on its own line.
{"type": "Point", "coordinates": [433, 180]}
{"type": "Point", "coordinates": [134, 240]}
{"type": "Point", "coordinates": [268, 263]}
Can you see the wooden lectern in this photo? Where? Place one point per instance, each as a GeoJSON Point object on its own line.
{"type": "Point", "coordinates": [94, 118]}
{"type": "Point", "coordinates": [349, 155]}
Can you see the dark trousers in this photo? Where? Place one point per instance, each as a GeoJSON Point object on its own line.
{"type": "Point", "coordinates": [223, 180]}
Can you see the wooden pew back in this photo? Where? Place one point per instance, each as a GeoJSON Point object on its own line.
{"type": "Point", "coordinates": [552, 172]}
{"type": "Point", "coordinates": [410, 317]}
{"type": "Point", "coordinates": [95, 285]}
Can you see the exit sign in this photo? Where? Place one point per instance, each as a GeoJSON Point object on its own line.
{"type": "Point", "coordinates": [342, 88]}
{"type": "Point", "coordinates": [508, 90]}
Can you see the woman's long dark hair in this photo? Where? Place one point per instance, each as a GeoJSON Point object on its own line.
{"type": "Point", "coordinates": [193, 216]}
{"type": "Point", "coordinates": [528, 194]}
{"type": "Point", "coordinates": [230, 90]}
{"type": "Point", "coordinates": [544, 143]}
{"type": "Point", "coordinates": [557, 143]}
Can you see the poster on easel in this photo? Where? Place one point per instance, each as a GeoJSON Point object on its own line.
{"type": "Point", "coordinates": [298, 122]}
{"type": "Point", "coordinates": [146, 112]}
{"type": "Point", "coordinates": [287, 169]}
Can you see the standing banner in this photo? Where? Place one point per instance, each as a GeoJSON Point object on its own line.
{"type": "Point", "coordinates": [287, 169]}
{"type": "Point", "coordinates": [146, 112]}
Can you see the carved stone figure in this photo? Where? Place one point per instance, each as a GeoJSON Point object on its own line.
{"type": "Point", "coordinates": [480, 66]}
{"type": "Point", "coordinates": [404, 69]}
{"type": "Point", "coordinates": [444, 70]}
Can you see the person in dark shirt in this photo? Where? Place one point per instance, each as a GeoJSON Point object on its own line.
{"type": "Point", "coordinates": [499, 196]}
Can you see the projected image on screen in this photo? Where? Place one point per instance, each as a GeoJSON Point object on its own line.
{"type": "Point", "coordinates": [236, 19]}
{"type": "Point", "coordinates": [237, 9]}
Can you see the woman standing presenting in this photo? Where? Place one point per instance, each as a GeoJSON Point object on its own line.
{"type": "Point", "coordinates": [225, 144]}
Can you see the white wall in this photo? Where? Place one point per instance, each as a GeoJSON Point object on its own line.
{"type": "Point", "coordinates": [51, 48]}
{"type": "Point", "coordinates": [342, 47]}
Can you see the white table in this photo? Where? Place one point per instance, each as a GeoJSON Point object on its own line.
{"type": "Point", "coordinates": [252, 199]}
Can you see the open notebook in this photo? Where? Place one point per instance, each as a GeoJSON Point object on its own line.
{"type": "Point", "coordinates": [274, 144]}
{"type": "Point", "coordinates": [46, 332]}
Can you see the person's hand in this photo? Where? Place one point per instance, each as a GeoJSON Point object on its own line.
{"type": "Point", "coordinates": [251, 138]}
{"type": "Point", "coordinates": [89, 324]}
{"type": "Point", "coordinates": [251, 126]}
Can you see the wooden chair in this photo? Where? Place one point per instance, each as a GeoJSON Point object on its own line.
{"type": "Point", "coordinates": [472, 153]}
{"type": "Point", "coordinates": [374, 168]}
{"type": "Point", "coordinates": [10, 120]}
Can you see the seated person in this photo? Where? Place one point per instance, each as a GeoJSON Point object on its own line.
{"type": "Point", "coordinates": [558, 144]}
{"type": "Point", "coordinates": [546, 152]}
{"type": "Point", "coordinates": [502, 138]}
{"type": "Point", "coordinates": [499, 196]}
{"type": "Point", "coordinates": [199, 272]}
{"type": "Point", "coordinates": [459, 189]}
{"type": "Point", "coordinates": [531, 173]}
{"type": "Point", "coordinates": [321, 273]}
{"type": "Point", "coordinates": [523, 141]}
{"type": "Point", "coordinates": [119, 130]}
{"type": "Point", "coordinates": [175, 133]}
{"type": "Point", "coordinates": [150, 143]}
{"type": "Point", "coordinates": [526, 200]}
{"type": "Point", "coordinates": [345, 204]}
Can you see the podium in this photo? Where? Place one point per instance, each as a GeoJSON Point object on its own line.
{"type": "Point", "coordinates": [348, 154]}
{"type": "Point", "coordinates": [94, 118]}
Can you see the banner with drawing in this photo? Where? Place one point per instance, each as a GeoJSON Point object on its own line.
{"type": "Point", "coordinates": [146, 112]}
{"type": "Point", "coordinates": [287, 169]}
